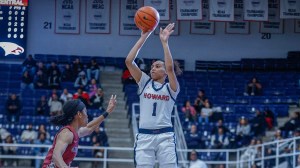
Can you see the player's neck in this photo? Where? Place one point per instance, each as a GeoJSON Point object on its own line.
{"type": "Point", "coordinates": [75, 125]}
{"type": "Point", "coordinates": [162, 80]}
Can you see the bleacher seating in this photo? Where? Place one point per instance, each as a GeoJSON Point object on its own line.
{"type": "Point", "coordinates": [225, 90]}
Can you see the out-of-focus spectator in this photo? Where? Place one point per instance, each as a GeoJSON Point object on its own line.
{"type": "Point", "coordinates": [270, 119]}
{"type": "Point", "coordinates": [127, 78]}
{"type": "Point", "coordinates": [93, 87]}
{"type": "Point", "coordinates": [258, 124]}
{"type": "Point", "coordinates": [53, 67]}
{"type": "Point", "coordinates": [40, 151]}
{"type": "Point", "coordinates": [66, 96]}
{"type": "Point", "coordinates": [243, 132]}
{"type": "Point", "coordinates": [195, 162]}
{"type": "Point", "coordinates": [77, 67]}
{"type": "Point", "coordinates": [27, 81]}
{"type": "Point", "coordinates": [101, 136]}
{"type": "Point", "coordinates": [83, 96]}
{"type": "Point", "coordinates": [9, 150]}
{"type": "Point", "coordinates": [55, 105]}
{"type": "Point", "coordinates": [29, 135]}
{"type": "Point", "coordinates": [98, 153]}
{"type": "Point", "coordinates": [206, 112]}
{"type": "Point", "coordinates": [81, 81]}
{"type": "Point", "coordinates": [93, 71]}
{"type": "Point", "coordinates": [54, 80]}
{"type": "Point", "coordinates": [41, 67]}
{"type": "Point", "coordinates": [42, 107]}
{"type": "Point", "coordinates": [68, 74]}
{"type": "Point", "coordinates": [193, 139]}
{"type": "Point", "coordinates": [42, 130]}
{"type": "Point", "coordinates": [98, 99]}
{"type": "Point", "coordinates": [199, 101]}
{"type": "Point", "coordinates": [219, 140]}
{"type": "Point", "coordinates": [40, 80]}
{"type": "Point", "coordinates": [220, 124]}
{"type": "Point", "coordinates": [29, 65]}
{"type": "Point", "coordinates": [298, 162]}
{"type": "Point", "coordinates": [253, 88]}
{"type": "Point", "coordinates": [3, 134]}
{"type": "Point", "coordinates": [249, 154]}
{"type": "Point", "coordinates": [190, 112]}
{"type": "Point", "coordinates": [13, 108]}
{"type": "Point", "coordinates": [292, 123]}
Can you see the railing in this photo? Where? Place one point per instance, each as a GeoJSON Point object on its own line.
{"type": "Point", "coordinates": [180, 139]}
{"type": "Point", "coordinates": [230, 158]}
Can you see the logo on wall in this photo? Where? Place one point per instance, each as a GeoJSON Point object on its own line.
{"type": "Point", "coordinates": [11, 48]}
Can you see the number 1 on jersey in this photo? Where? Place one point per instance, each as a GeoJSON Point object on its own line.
{"type": "Point", "coordinates": [154, 109]}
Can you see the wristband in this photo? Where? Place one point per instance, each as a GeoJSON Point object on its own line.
{"type": "Point", "coordinates": [105, 114]}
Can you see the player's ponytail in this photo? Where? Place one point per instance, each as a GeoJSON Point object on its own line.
{"type": "Point", "coordinates": [69, 112]}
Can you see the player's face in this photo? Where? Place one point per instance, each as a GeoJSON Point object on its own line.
{"type": "Point", "coordinates": [83, 118]}
{"type": "Point", "coordinates": [158, 70]}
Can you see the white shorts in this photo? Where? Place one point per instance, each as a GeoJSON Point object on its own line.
{"type": "Point", "coordinates": [149, 147]}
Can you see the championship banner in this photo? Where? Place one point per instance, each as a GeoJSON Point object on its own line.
{"type": "Point", "coordinates": [97, 16]}
{"type": "Point", "coordinates": [289, 9]}
{"type": "Point", "coordinates": [275, 24]}
{"type": "Point", "coordinates": [221, 10]}
{"type": "Point", "coordinates": [127, 12]}
{"type": "Point", "coordinates": [67, 14]}
{"type": "Point", "coordinates": [162, 6]}
{"type": "Point", "coordinates": [204, 26]}
{"type": "Point", "coordinates": [239, 26]}
{"type": "Point", "coordinates": [173, 19]}
{"type": "Point", "coordinates": [189, 9]}
{"type": "Point", "coordinates": [297, 26]}
{"type": "Point", "coordinates": [256, 10]}
{"type": "Point", "coordinates": [13, 2]}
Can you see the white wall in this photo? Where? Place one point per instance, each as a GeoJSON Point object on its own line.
{"type": "Point", "coordinates": [220, 46]}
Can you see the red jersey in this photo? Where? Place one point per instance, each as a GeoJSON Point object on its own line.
{"type": "Point", "coordinates": [69, 153]}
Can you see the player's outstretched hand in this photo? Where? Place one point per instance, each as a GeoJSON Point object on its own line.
{"type": "Point", "coordinates": [112, 103]}
{"type": "Point", "coordinates": [146, 34]}
{"type": "Point", "coordinates": [165, 33]}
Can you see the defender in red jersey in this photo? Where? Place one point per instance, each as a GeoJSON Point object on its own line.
{"type": "Point", "coordinates": [74, 120]}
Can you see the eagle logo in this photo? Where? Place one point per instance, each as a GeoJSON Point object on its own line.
{"type": "Point", "coordinates": [11, 48]}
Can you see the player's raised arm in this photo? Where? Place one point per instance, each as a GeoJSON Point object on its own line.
{"type": "Point", "coordinates": [164, 37]}
{"type": "Point", "coordinates": [131, 65]}
{"type": "Point", "coordinates": [91, 126]}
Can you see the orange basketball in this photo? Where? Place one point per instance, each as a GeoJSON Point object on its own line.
{"type": "Point", "coordinates": [146, 18]}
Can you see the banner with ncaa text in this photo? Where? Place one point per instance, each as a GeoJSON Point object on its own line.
{"type": "Point", "coordinates": [67, 16]}
{"type": "Point", "coordinates": [256, 10]}
{"type": "Point", "coordinates": [127, 13]}
{"type": "Point", "coordinates": [238, 26]}
{"type": "Point", "coordinates": [189, 9]}
{"type": "Point", "coordinates": [173, 19]}
{"type": "Point", "coordinates": [221, 10]}
{"type": "Point", "coordinates": [162, 6]}
{"type": "Point", "coordinates": [203, 26]}
{"type": "Point", "coordinates": [274, 24]}
{"type": "Point", "coordinates": [297, 26]}
{"type": "Point", "coordinates": [289, 9]}
{"type": "Point", "coordinates": [97, 18]}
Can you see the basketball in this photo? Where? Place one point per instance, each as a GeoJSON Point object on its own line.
{"type": "Point", "coordinates": [146, 18]}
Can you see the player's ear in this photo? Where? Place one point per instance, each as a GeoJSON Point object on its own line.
{"type": "Point", "coordinates": [79, 114]}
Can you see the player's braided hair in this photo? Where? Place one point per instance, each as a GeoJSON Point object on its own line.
{"type": "Point", "coordinates": [69, 111]}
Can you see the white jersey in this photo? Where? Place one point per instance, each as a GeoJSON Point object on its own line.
{"type": "Point", "coordinates": [156, 103]}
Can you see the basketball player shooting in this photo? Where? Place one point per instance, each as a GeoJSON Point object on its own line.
{"type": "Point", "coordinates": [156, 134]}
{"type": "Point", "coordinates": [74, 120]}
